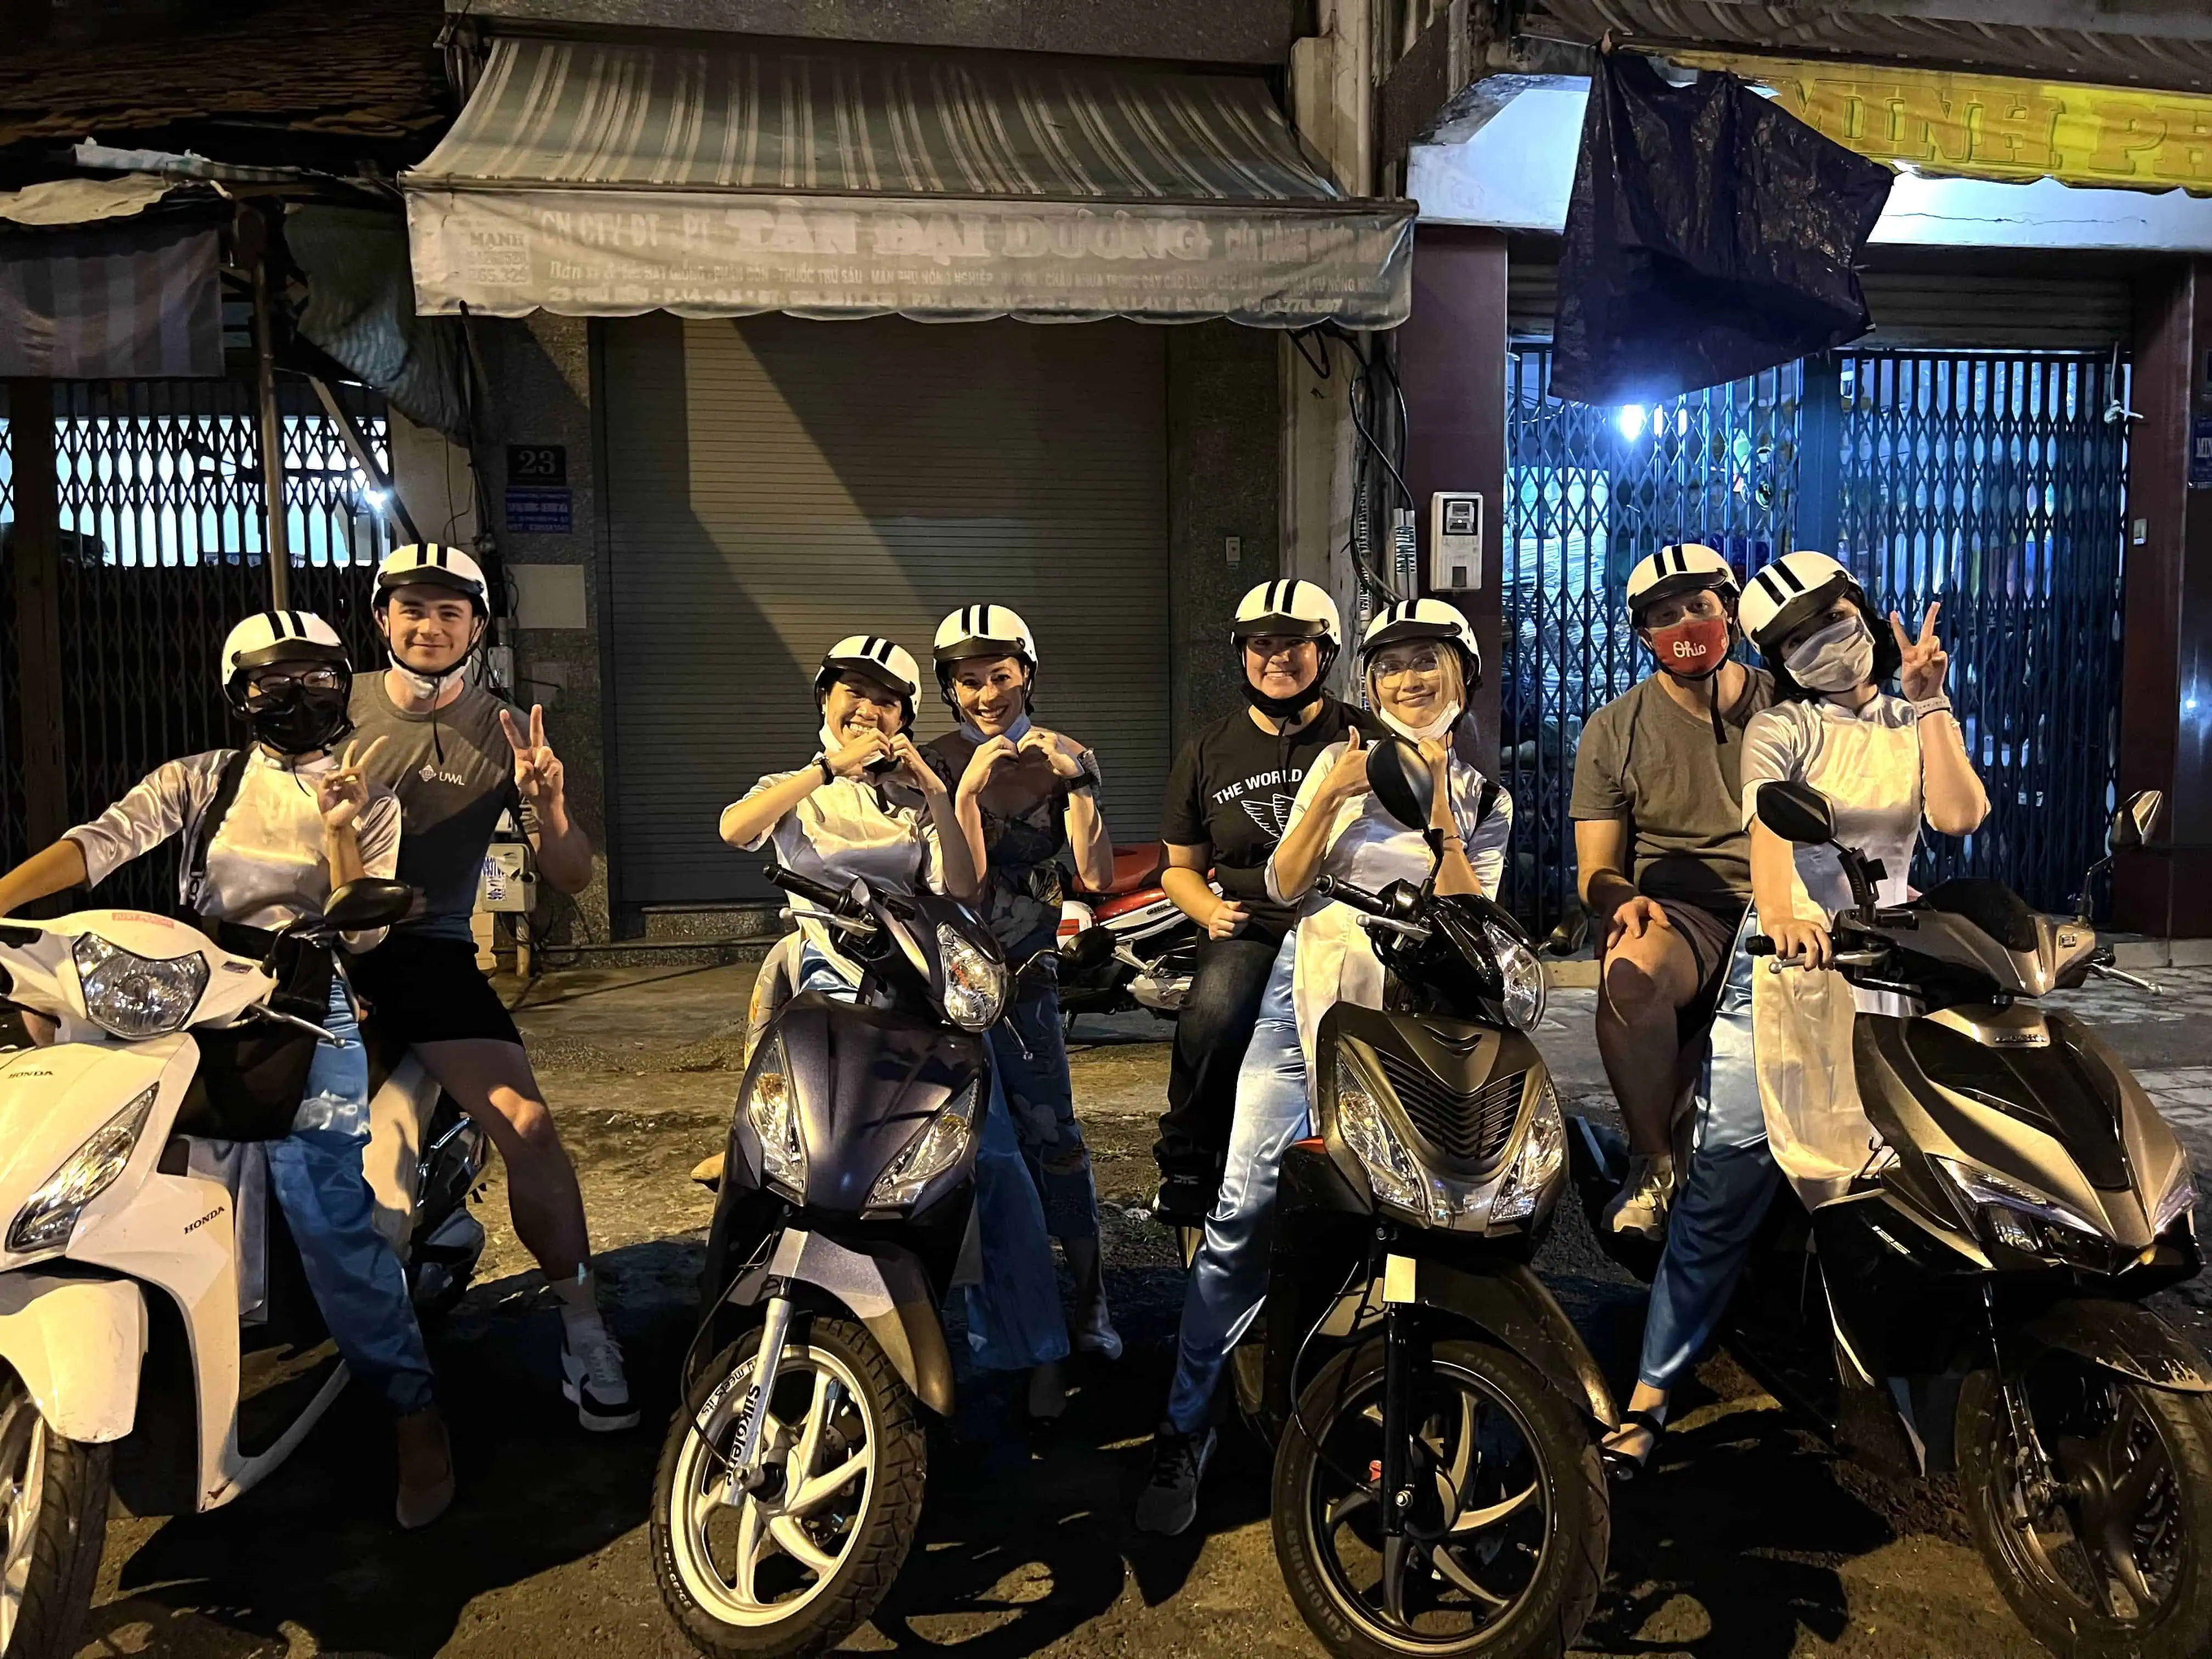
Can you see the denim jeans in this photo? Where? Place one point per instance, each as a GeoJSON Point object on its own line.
{"type": "Point", "coordinates": [1029, 1072]}
{"type": "Point", "coordinates": [316, 1175]}
{"type": "Point", "coordinates": [1210, 1035]}
{"type": "Point", "coordinates": [1014, 1319]}
{"type": "Point", "coordinates": [1229, 1276]}
{"type": "Point", "coordinates": [1723, 1194]}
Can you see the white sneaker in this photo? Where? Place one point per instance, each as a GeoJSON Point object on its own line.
{"type": "Point", "coordinates": [1640, 1206]}
{"type": "Point", "coordinates": [591, 1376]}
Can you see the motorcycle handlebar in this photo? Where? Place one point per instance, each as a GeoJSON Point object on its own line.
{"type": "Point", "coordinates": [806, 887]}
{"type": "Point", "coordinates": [1331, 887]}
{"type": "Point", "coordinates": [1759, 945]}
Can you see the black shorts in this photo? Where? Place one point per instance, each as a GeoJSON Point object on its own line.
{"type": "Point", "coordinates": [430, 990]}
{"type": "Point", "coordinates": [1710, 935]}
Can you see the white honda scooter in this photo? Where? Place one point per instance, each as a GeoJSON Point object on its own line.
{"type": "Point", "coordinates": [158, 1340]}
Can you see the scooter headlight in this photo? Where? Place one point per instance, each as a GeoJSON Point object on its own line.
{"type": "Point", "coordinates": [1537, 1165]}
{"type": "Point", "coordinates": [2008, 1212]}
{"type": "Point", "coordinates": [49, 1216]}
{"type": "Point", "coordinates": [1391, 1167]}
{"type": "Point", "coordinates": [1521, 974]}
{"type": "Point", "coordinates": [941, 1143]}
{"type": "Point", "coordinates": [2180, 1199]}
{"type": "Point", "coordinates": [974, 985]}
{"type": "Point", "coordinates": [134, 996]}
{"type": "Point", "coordinates": [772, 1109]}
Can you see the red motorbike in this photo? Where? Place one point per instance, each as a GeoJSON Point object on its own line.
{"type": "Point", "coordinates": [1128, 946]}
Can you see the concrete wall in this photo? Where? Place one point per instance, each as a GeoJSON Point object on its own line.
{"type": "Point", "coordinates": [1219, 31]}
{"type": "Point", "coordinates": [1224, 461]}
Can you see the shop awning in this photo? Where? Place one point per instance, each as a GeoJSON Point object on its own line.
{"type": "Point", "coordinates": [596, 179]}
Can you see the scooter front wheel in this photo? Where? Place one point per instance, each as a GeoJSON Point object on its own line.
{"type": "Point", "coordinates": [53, 1519]}
{"type": "Point", "coordinates": [789, 1569]}
{"type": "Point", "coordinates": [2099, 1534]}
{"type": "Point", "coordinates": [1502, 1545]}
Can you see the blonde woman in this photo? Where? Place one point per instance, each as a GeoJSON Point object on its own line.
{"type": "Point", "coordinates": [1421, 663]}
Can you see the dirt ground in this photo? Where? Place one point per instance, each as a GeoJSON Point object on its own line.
{"type": "Point", "coordinates": [1749, 1541]}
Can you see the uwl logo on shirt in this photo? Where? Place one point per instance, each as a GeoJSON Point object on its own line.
{"type": "Point", "coordinates": [431, 774]}
{"type": "Point", "coordinates": [1272, 813]}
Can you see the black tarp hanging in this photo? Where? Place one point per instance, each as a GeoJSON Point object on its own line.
{"type": "Point", "coordinates": [1711, 234]}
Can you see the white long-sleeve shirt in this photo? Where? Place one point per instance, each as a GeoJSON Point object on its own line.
{"type": "Point", "coordinates": [265, 866]}
{"type": "Point", "coordinates": [1368, 848]}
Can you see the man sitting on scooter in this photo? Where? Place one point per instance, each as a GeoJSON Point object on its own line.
{"type": "Point", "coordinates": [1228, 799]}
{"type": "Point", "coordinates": [869, 804]}
{"type": "Point", "coordinates": [1666, 873]}
{"type": "Point", "coordinates": [271, 831]}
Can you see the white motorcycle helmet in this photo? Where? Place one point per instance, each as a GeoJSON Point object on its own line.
{"type": "Point", "coordinates": [1686, 568]}
{"type": "Point", "coordinates": [1289, 609]}
{"type": "Point", "coordinates": [305, 719]}
{"type": "Point", "coordinates": [1425, 619]}
{"type": "Point", "coordinates": [875, 658]}
{"type": "Point", "coordinates": [982, 630]}
{"type": "Point", "coordinates": [1795, 586]}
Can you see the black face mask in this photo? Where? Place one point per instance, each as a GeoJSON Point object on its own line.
{"type": "Point", "coordinates": [299, 721]}
{"type": "Point", "coordinates": [1282, 708]}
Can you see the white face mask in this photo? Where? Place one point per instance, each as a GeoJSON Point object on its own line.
{"type": "Point", "coordinates": [1836, 660]}
{"type": "Point", "coordinates": [1432, 732]}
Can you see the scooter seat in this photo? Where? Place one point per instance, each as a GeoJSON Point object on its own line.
{"type": "Point", "coordinates": [1122, 903]}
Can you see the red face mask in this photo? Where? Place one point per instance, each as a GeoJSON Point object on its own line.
{"type": "Point", "coordinates": [1692, 649]}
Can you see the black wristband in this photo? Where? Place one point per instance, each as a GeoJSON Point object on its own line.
{"type": "Point", "coordinates": [828, 776]}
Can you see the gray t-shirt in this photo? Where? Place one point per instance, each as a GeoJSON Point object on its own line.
{"type": "Point", "coordinates": [1652, 763]}
{"type": "Point", "coordinates": [453, 771]}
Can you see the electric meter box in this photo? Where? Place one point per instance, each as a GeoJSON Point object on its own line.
{"type": "Point", "coordinates": [1455, 541]}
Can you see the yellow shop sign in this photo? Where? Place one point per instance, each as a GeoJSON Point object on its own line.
{"type": "Point", "coordinates": [1989, 127]}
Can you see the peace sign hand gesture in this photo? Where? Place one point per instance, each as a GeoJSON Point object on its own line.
{"type": "Point", "coordinates": [342, 792]}
{"type": "Point", "coordinates": [538, 770]}
{"type": "Point", "coordinates": [1925, 661]}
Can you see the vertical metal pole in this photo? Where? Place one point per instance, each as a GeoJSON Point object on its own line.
{"type": "Point", "coordinates": [278, 537]}
{"type": "Point", "coordinates": [1820, 514]}
{"type": "Point", "coordinates": [37, 582]}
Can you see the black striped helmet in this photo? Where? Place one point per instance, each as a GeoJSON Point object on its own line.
{"type": "Point", "coordinates": [1425, 619]}
{"type": "Point", "coordinates": [1795, 587]}
{"type": "Point", "coordinates": [432, 564]}
{"type": "Point", "coordinates": [271, 637]}
{"type": "Point", "coordinates": [980, 630]}
{"type": "Point", "coordinates": [1288, 610]}
{"type": "Point", "coordinates": [875, 658]}
{"type": "Point", "coordinates": [1685, 568]}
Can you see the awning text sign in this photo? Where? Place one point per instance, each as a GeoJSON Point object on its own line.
{"type": "Point", "coordinates": [617, 252]}
{"type": "Point", "coordinates": [1988, 126]}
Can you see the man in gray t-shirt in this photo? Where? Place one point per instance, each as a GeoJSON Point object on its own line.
{"type": "Point", "coordinates": [456, 758]}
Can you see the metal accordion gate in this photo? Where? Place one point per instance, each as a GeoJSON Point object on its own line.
{"type": "Point", "coordinates": [159, 547]}
{"type": "Point", "coordinates": [1994, 481]}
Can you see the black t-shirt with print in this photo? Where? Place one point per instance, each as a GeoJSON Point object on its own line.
{"type": "Point", "coordinates": [1233, 787]}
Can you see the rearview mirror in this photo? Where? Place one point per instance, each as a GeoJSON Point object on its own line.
{"type": "Point", "coordinates": [1088, 951]}
{"type": "Point", "coordinates": [1402, 781]}
{"type": "Point", "coordinates": [1797, 811]}
{"type": "Point", "coordinates": [369, 902]}
{"type": "Point", "coordinates": [2137, 816]}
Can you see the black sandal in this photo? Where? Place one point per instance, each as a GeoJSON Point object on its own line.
{"type": "Point", "coordinates": [1619, 1464]}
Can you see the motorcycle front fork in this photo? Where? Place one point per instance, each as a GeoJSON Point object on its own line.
{"type": "Point", "coordinates": [2038, 1490]}
{"type": "Point", "coordinates": [746, 1472]}
{"type": "Point", "coordinates": [1403, 1355]}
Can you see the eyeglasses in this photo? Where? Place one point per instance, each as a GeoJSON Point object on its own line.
{"type": "Point", "coordinates": [1389, 673]}
{"type": "Point", "coordinates": [307, 679]}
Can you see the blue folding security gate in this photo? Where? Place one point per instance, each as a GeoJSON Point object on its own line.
{"type": "Point", "coordinates": [1992, 482]}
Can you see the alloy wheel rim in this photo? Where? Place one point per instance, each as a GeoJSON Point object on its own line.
{"type": "Point", "coordinates": [2108, 1545]}
{"type": "Point", "coordinates": [22, 1489]}
{"type": "Point", "coordinates": [1479, 1527]}
{"type": "Point", "coordinates": [768, 1555]}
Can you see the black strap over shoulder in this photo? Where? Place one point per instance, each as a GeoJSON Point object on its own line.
{"type": "Point", "coordinates": [192, 878]}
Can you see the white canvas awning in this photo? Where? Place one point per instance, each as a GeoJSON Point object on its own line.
{"type": "Point", "coordinates": [595, 178]}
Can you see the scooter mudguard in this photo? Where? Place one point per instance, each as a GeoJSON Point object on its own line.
{"type": "Point", "coordinates": [77, 1343]}
{"type": "Point", "coordinates": [884, 1287]}
{"type": "Point", "coordinates": [2119, 1337]}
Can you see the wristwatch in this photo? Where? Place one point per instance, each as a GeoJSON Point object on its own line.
{"type": "Point", "coordinates": [1090, 778]}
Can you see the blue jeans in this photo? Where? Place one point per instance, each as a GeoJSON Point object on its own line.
{"type": "Point", "coordinates": [1723, 1194]}
{"type": "Point", "coordinates": [1029, 1072]}
{"type": "Point", "coordinates": [316, 1175]}
{"type": "Point", "coordinates": [1229, 1276]}
{"type": "Point", "coordinates": [1014, 1320]}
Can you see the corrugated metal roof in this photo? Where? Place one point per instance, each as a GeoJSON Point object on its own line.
{"type": "Point", "coordinates": [2176, 60]}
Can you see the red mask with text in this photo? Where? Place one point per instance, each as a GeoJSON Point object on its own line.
{"type": "Point", "coordinates": [1692, 649]}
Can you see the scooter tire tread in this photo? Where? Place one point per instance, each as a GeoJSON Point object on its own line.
{"type": "Point", "coordinates": [2185, 1633]}
{"type": "Point", "coordinates": [901, 1478]}
{"type": "Point", "coordinates": [1586, 1532]}
{"type": "Point", "coordinates": [71, 1532]}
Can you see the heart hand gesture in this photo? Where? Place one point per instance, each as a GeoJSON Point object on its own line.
{"type": "Point", "coordinates": [1060, 754]}
{"type": "Point", "coordinates": [342, 792]}
{"type": "Point", "coordinates": [538, 770]}
{"type": "Point", "coordinates": [991, 756]}
{"type": "Point", "coordinates": [1924, 662]}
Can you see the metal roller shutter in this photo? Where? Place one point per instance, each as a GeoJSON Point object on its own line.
{"type": "Point", "coordinates": [775, 483]}
{"type": "Point", "coordinates": [1951, 311]}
